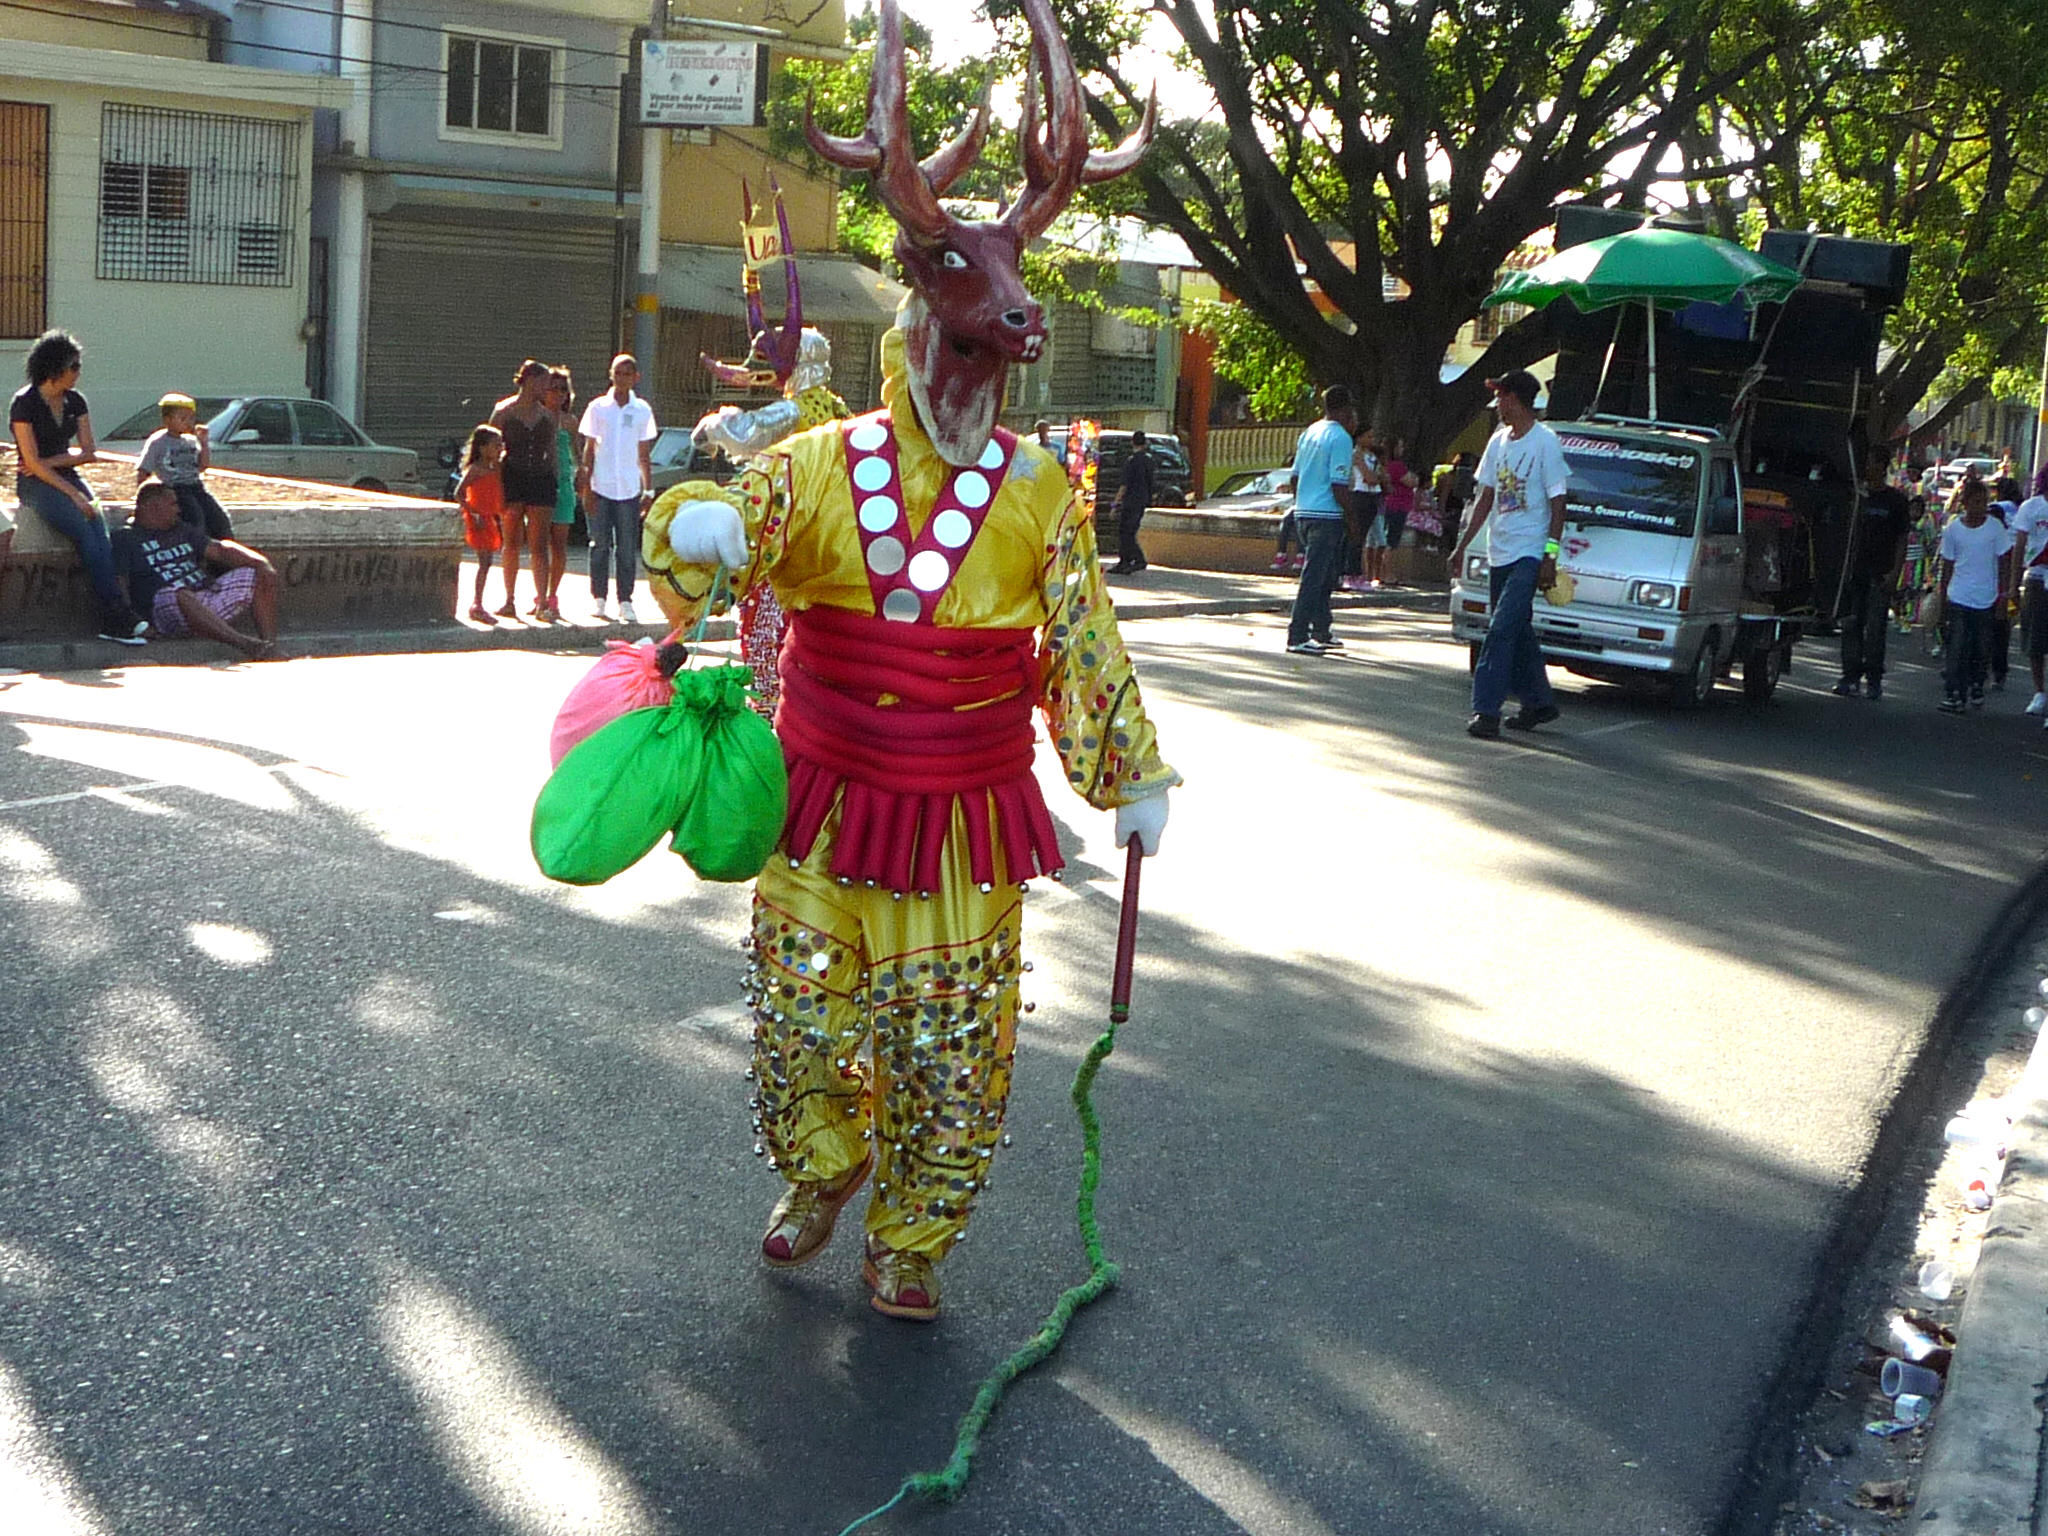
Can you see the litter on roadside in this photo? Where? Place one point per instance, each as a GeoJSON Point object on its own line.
{"type": "Point", "coordinates": [1890, 1494]}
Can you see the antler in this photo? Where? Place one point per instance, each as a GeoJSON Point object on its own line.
{"type": "Point", "coordinates": [950, 161]}
{"type": "Point", "coordinates": [793, 303]}
{"type": "Point", "coordinates": [1056, 164]}
{"type": "Point", "coordinates": [883, 146]}
{"type": "Point", "coordinates": [1108, 164]}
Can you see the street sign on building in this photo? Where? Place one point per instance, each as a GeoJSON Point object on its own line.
{"type": "Point", "coordinates": [700, 84]}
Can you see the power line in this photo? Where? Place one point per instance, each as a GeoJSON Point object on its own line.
{"type": "Point", "coordinates": [410, 26]}
{"type": "Point", "coordinates": [418, 70]}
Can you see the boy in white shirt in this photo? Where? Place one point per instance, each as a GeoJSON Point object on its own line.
{"type": "Point", "coordinates": [618, 434]}
{"type": "Point", "coordinates": [1973, 571]}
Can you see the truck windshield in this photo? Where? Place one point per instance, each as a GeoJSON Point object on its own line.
{"type": "Point", "coordinates": [1616, 483]}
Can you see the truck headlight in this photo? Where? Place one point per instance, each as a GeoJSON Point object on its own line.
{"type": "Point", "coordinates": [1476, 568]}
{"type": "Point", "coordinates": [1653, 594]}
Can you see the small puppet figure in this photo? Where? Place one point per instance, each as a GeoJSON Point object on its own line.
{"type": "Point", "coordinates": [798, 360]}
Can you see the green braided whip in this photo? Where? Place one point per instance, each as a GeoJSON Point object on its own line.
{"type": "Point", "coordinates": [948, 1482]}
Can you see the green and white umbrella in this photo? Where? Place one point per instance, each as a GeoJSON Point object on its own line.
{"type": "Point", "coordinates": [1657, 268]}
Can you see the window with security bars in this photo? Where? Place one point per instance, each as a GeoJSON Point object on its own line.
{"type": "Point", "coordinates": [1124, 380]}
{"type": "Point", "coordinates": [197, 197]}
{"type": "Point", "coordinates": [496, 85]}
{"type": "Point", "coordinates": [24, 218]}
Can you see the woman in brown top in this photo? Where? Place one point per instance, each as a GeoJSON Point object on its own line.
{"type": "Point", "coordinates": [529, 426]}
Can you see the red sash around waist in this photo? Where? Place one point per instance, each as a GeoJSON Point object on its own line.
{"type": "Point", "coordinates": [957, 727]}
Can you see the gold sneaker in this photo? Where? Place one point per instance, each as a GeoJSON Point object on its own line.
{"type": "Point", "coordinates": [801, 1224]}
{"type": "Point", "coordinates": [905, 1285]}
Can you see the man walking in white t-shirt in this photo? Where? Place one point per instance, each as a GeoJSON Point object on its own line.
{"type": "Point", "coordinates": [1521, 478]}
{"type": "Point", "coordinates": [1973, 569]}
{"type": "Point", "coordinates": [618, 429]}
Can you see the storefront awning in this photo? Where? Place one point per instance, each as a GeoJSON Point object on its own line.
{"type": "Point", "coordinates": [706, 278]}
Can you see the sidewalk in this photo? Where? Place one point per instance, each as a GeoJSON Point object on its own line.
{"type": "Point", "coordinates": [1155, 593]}
{"type": "Point", "coordinates": [1985, 1454]}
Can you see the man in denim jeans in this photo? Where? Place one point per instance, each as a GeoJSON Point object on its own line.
{"type": "Point", "coordinates": [1522, 478]}
{"type": "Point", "coordinates": [1322, 495]}
{"type": "Point", "coordinates": [618, 431]}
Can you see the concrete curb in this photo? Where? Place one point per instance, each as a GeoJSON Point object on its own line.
{"type": "Point", "coordinates": [1753, 1501]}
{"type": "Point", "coordinates": [1982, 1471]}
{"type": "Point", "coordinates": [95, 655]}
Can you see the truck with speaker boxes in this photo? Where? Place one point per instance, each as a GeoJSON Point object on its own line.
{"type": "Point", "coordinates": [1712, 537]}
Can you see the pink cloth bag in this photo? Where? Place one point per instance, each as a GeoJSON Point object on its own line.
{"type": "Point", "coordinates": [629, 676]}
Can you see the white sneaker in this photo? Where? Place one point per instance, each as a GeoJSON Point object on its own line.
{"type": "Point", "coordinates": [626, 614]}
{"type": "Point", "coordinates": [2038, 705]}
{"type": "Point", "coordinates": [601, 611]}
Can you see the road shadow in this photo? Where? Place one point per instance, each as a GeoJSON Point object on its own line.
{"type": "Point", "coordinates": [349, 1191]}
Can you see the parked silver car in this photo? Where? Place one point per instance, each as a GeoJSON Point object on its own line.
{"type": "Point", "coordinates": [674, 456]}
{"type": "Point", "coordinates": [1252, 490]}
{"type": "Point", "coordinates": [291, 439]}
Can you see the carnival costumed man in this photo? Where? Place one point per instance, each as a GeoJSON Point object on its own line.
{"type": "Point", "coordinates": [941, 583]}
{"type": "Point", "coordinates": [796, 359]}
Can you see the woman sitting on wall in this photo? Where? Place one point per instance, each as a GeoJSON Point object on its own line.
{"type": "Point", "coordinates": [46, 416]}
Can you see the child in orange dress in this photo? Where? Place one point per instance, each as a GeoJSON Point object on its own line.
{"type": "Point", "coordinates": [481, 495]}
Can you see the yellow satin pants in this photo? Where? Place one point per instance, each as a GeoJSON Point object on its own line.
{"type": "Point", "coordinates": [886, 1022]}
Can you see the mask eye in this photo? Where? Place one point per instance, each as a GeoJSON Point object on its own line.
{"type": "Point", "coordinates": [952, 260]}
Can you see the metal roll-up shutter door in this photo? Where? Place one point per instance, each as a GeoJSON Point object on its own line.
{"type": "Point", "coordinates": [455, 307]}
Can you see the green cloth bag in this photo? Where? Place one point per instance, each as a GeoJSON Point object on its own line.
{"type": "Point", "coordinates": [732, 820]}
{"type": "Point", "coordinates": [610, 799]}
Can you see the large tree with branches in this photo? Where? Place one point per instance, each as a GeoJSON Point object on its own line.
{"type": "Point", "coordinates": [1392, 156]}
{"type": "Point", "coordinates": [1923, 125]}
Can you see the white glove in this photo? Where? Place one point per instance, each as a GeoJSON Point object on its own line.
{"type": "Point", "coordinates": [708, 533]}
{"type": "Point", "coordinates": [1143, 819]}
{"type": "Point", "coordinates": [708, 425]}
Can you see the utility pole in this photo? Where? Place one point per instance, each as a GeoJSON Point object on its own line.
{"type": "Point", "coordinates": [647, 297]}
{"type": "Point", "coordinates": [2041, 421]}
{"type": "Point", "coordinates": [348, 265]}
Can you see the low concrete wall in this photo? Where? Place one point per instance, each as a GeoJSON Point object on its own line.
{"type": "Point", "coordinates": [1245, 542]}
{"type": "Point", "coordinates": [348, 560]}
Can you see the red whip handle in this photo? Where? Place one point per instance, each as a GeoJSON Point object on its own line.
{"type": "Point", "coordinates": [1126, 938]}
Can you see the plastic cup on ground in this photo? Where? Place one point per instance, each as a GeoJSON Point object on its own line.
{"type": "Point", "coordinates": [1912, 1408]}
{"type": "Point", "coordinates": [1986, 1133]}
{"type": "Point", "coordinates": [1917, 1346]}
{"type": "Point", "coordinates": [1902, 1380]}
{"type": "Point", "coordinates": [1937, 1279]}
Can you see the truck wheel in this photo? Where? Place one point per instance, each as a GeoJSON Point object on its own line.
{"type": "Point", "coordinates": [1697, 686]}
{"type": "Point", "coordinates": [1472, 656]}
{"type": "Point", "coordinates": [372, 484]}
{"type": "Point", "coordinates": [1761, 670]}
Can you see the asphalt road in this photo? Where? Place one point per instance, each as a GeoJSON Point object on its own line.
{"type": "Point", "coordinates": [1471, 1150]}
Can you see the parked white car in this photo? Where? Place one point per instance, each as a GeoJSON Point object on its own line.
{"type": "Point", "coordinates": [291, 439]}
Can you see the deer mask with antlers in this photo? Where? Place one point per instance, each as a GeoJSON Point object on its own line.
{"type": "Point", "coordinates": [969, 315]}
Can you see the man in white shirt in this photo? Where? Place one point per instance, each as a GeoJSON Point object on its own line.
{"type": "Point", "coordinates": [1521, 478]}
{"type": "Point", "coordinates": [1973, 571]}
{"type": "Point", "coordinates": [2030, 559]}
{"type": "Point", "coordinates": [618, 431]}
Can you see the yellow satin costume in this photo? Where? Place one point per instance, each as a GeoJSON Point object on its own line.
{"type": "Point", "coordinates": [932, 977]}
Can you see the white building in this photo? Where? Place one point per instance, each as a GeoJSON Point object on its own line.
{"type": "Point", "coordinates": [153, 201]}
